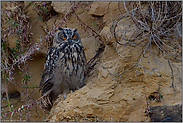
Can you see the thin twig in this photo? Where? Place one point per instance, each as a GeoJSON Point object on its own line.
{"type": "Point", "coordinates": [24, 106]}
{"type": "Point", "coordinates": [172, 74]}
{"type": "Point", "coordinates": [147, 108]}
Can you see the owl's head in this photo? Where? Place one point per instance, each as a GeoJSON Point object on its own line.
{"type": "Point", "coordinates": [67, 36]}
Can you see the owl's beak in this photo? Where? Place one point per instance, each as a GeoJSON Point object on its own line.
{"type": "Point", "coordinates": [70, 41]}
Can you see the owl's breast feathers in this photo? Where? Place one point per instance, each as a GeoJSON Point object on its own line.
{"type": "Point", "coordinates": [63, 60]}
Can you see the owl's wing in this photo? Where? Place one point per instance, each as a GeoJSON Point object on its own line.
{"type": "Point", "coordinates": [46, 83]}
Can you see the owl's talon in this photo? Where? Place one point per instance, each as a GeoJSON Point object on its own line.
{"type": "Point", "coordinates": [49, 101]}
{"type": "Point", "coordinates": [44, 102]}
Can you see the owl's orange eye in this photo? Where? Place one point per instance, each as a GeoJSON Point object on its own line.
{"type": "Point", "coordinates": [64, 36]}
{"type": "Point", "coordinates": [73, 37]}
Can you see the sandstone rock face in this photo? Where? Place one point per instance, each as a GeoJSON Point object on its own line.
{"type": "Point", "coordinates": [109, 94]}
{"type": "Point", "coordinates": [61, 7]}
{"type": "Point", "coordinates": [99, 8]}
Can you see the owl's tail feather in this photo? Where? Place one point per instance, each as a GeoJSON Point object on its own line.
{"type": "Point", "coordinates": [46, 103]}
{"type": "Point", "coordinates": [92, 62]}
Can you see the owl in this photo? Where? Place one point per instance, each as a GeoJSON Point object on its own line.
{"type": "Point", "coordinates": [64, 67]}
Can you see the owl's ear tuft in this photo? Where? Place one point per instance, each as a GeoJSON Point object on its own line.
{"type": "Point", "coordinates": [60, 28]}
{"type": "Point", "coordinates": [75, 30]}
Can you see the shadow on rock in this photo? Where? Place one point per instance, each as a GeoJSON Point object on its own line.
{"type": "Point", "coordinates": [165, 113]}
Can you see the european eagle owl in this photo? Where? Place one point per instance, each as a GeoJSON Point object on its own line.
{"type": "Point", "coordinates": [64, 67]}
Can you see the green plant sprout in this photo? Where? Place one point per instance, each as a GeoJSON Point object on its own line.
{"type": "Point", "coordinates": [26, 77]}
{"type": "Point", "coordinates": [2, 113]}
{"type": "Point", "coordinates": [44, 7]}
{"type": "Point", "coordinates": [17, 50]}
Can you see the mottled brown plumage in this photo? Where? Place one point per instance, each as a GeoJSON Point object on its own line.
{"type": "Point", "coordinates": [65, 65]}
